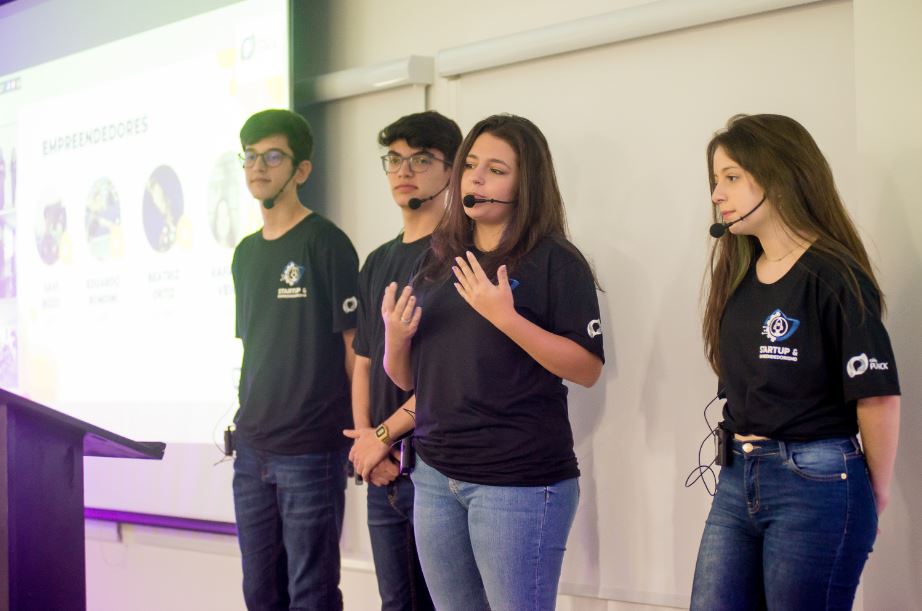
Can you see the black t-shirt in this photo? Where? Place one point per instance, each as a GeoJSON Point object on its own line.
{"type": "Point", "coordinates": [796, 355]}
{"type": "Point", "coordinates": [295, 296]}
{"type": "Point", "coordinates": [486, 412]}
{"type": "Point", "coordinates": [390, 262]}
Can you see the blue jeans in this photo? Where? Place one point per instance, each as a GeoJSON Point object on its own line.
{"type": "Point", "coordinates": [289, 519]}
{"type": "Point", "coordinates": [390, 524]}
{"type": "Point", "coordinates": [491, 547]}
{"type": "Point", "coordinates": [791, 526]}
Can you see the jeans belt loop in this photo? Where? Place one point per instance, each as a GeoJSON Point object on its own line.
{"type": "Point", "coordinates": [783, 450]}
{"type": "Point", "coordinates": [856, 444]}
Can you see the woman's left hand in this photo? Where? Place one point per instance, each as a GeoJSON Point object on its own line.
{"type": "Point", "coordinates": [492, 301]}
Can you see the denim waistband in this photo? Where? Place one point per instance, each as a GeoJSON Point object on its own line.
{"type": "Point", "coordinates": [768, 447]}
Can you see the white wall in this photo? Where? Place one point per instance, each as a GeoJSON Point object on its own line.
{"type": "Point", "coordinates": [888, 79]}
{"type": "Point", "coordinates": [148, 569]}
{"type": "Point", "coordinates": [627, 124]}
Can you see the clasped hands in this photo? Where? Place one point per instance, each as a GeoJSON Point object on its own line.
{"type": "Point", "coordinates": [369, 457]}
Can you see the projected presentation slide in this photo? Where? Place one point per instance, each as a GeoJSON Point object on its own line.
{"type": "Point", "coordinates": [121, 200]}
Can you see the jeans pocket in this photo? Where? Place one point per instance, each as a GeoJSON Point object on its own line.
{"type": "Point", "coordinates": [817, 462]}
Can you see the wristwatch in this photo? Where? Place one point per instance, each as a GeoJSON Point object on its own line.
{"type": "Point", "coordinates": [383, 434]}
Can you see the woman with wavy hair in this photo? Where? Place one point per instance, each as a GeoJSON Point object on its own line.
{"type": "Point", "coordinates": [793, 329]}
{"type": "Point", "coordinates": [501, 312]}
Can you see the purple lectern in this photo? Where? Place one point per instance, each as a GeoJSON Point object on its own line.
{"type": "Point", "coordinates": [42, 550]}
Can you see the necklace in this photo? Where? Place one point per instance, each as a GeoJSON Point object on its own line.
{"type": "Point", "coordinates": [781, 258]}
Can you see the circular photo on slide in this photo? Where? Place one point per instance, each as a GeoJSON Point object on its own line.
{"type": "Point", "coordinates": [104, 221]}
{"type": "Point", "coordinates": [163, 208]}
{"type": "Point", "coordinates": [51, 230]}
{"type": "Point", "coordinates": [225, 188]}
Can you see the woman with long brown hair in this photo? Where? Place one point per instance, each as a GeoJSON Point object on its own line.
{"type": "Point", "coordinates": [502, 311]}
{"type": "Point", "coordinates": [793, 330]}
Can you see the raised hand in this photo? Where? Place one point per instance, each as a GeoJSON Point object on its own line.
{"type": "Point", "coordinates": [401, 314]}
{"type": "Point", "coordinates": [492, 301]}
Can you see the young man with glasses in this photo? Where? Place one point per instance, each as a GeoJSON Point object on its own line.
{"type": "Point", "coordinates": [420, 151]}
{"type": "Point", "coordinates": [295, 286]}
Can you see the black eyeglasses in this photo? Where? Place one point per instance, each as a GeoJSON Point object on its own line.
{"type": "Point", "coordinates": [272, 158]}
{"type": "Point", "coordinates": [419, 162]}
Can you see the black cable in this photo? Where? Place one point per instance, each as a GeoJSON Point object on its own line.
{"type": "Point", "coordinates": [214, 432]}
{"type": "Point", "coordinates": [699, 472]}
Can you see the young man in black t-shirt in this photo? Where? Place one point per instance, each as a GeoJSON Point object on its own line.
{"type": "Point", "coordinates": [295, 286]}
{"type": "Point", "coordinates": [420, 151]}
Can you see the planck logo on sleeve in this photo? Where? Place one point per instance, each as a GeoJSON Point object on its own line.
{"type": "Point", "coordinates": [859, 364]}
{"type": "Point", "coordinates": [777, 328]}
{"type": "Point", "coordinates": [292, 275]}
{"type": "Point", "coordinates": [594, 328]}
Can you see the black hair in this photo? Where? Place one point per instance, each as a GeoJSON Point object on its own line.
{"type": "Point", "coordinates": [424, 130]}
{"type": "Point", "coordinates": [282, 122]}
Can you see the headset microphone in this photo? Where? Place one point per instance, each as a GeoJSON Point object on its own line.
{"type": "Point", "coordinates": [269, 203]}
{"type": "Point", "coordinates": [470, 201]}
{"type": "Point", "coordinates": [717, 230]}
{"type": "Point", "coordinates": [415, 203]}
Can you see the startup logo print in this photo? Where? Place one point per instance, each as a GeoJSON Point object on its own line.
{"type": "Point", "coordinates": [777, 328]}
{"type": "Point", "coordinates": [291, 276]}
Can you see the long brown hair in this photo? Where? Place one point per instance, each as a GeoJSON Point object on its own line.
{"type": "Point", "coordinates": [537, 213]}
{"type": "Point", "coordinates": [786, 162]}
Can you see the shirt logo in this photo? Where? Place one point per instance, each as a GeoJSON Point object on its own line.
{"type": "Point", "coordinates": [594, 328]}
{"type": "Point", "coordinates": [292, 273]}
{"type": "Point", "coordinates": [859, 364]}
{"type": "Point", "coordinates": [350, 304]}
{"type": "Point", "coordinates": [778, 327]}
{"type": "Point", "coordinates": [291, 276]}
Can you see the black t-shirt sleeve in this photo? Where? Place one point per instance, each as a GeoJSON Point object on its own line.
{"type": "Point", "coordinates": [238, 299]}
{"type": "Point", "coordinates": [364, 311]}
{"type": "Point", "coordinates": [341, 264]}
{"type": "Point", "coordinates": [574, 305]}
{"type": "Point", "coordinates": [866, 360]}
